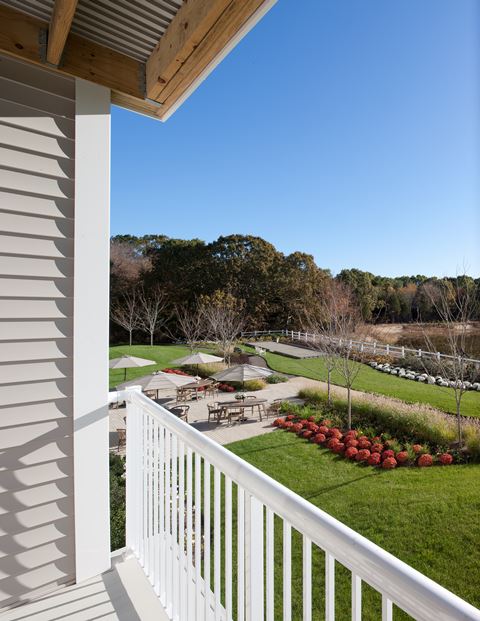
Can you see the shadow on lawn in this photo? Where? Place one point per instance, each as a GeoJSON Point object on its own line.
{"type": "Point", "coordinates": [331, 488]}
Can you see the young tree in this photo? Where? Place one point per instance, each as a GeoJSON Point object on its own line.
{"type": "Point", "coordinates": [125, 312]}
{"type": "Point", "coordinates": [192, 325]}
{"type": "Point", "coordinates": [455, 304]}
{"type": "Point", "coordinates": [154, 314]}
{"type": "Point", "coordinates": [224, 318]}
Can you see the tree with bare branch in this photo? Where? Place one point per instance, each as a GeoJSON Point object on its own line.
{"type": "Point", "coordinates": [455, 304]}
{"type": "Point", "coordinates": [225, 319]}
{"type": "Point", "coordinates": [125, 311]}
{"type": "Point", "coordinates": [154, 312]}
{"type": "Point", "coordinates": [192, 325]}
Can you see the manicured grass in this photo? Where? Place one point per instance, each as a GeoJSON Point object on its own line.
{"type": "Point", "coordinates": [426, 517]}
{"type": "Point", "coordinates": [162, 354]}
{"type": "Point", "coordinates": [369, 380]}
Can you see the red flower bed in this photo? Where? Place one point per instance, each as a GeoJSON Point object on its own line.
{"type": "Point", "coordinates": [389, 463]}
{"type": "Point", "coordinates": [445, 459]}
{"type": "Point", "coordinates": [424, 461]}
{"type": "Point", "coordinates": [359, 447]}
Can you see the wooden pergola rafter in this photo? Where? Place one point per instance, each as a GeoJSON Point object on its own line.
{"type": "Point", "coordinates": [201, 33]}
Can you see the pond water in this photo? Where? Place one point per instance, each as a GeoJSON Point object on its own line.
{"type": "Point", "coordinates": [472, 348]}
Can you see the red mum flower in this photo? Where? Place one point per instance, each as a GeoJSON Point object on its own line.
{"type": "Point", "coordinates": [311, 419]}
{"type": "Point", "coordinates": [278, 421]}
{"type": "Point", "coordinates": [351, 442]}
{"type": "Point", "coordinates": [376, 439]}
{"type": "Point", "coordinates": [319, 438]}
{"type": "Point", "coordinates": [296, 427]}
{"type": "Point", "coordinates": [287, 425]}
{"type": "Point", "coordinates": [402, 457]}
{"type": "Point", "coordinates": [331, 443]}
{"type": "Point", "coordinates": [363, 443]}
{"type": "Point", "coordinates": [424, 461]}
{"type": "Point", "coordinates": [307, 434]}
{"type": "Point", "coordinates": [290, 416]}
{"type": "Point", "coordinates": [362, 455]}
{"type": "Point", "coordinates": [351, 452]}
{"type": "Point", "coordinates": [445, 459]}
{"type": "Point", "coordinates": [389, 463]}
{"type": "Point", "coordinates": [312, 427]}
{"type": "Point", "coordinates": [374, 459]}
{"type": "Point", "coordinates": [323, 429]}
{"type": "Point", "coordinates": [388, 454]}
{"type": "Point", "coordinates": [339, 447]}
{"type": "Point", "coordinates": [417, 448]}
{"type": "Point", "coordinates": [352, 433]}
{"type": "Point", "coordinates": [335, 433]}
{"type": "Point", "coordinates": [377, 447]}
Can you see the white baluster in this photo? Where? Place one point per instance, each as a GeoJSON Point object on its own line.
{"type": "Point", "coordinates": [228, 547]}
{"type": "Point", "coordinates": [190, 610]}
{"type": "Point", "coordinates": [356, 598]}
{"type": "Point", "coordinates": [206, 539]}
{"type": "Point", "coordinates": [198, 535]}
{"type": "Point", "coordinates": [287, 571]}
{"type": "Point", "coordinates": [256, 560]}
{"type": "Point", "coordinates": [217, 552]}
{"type": "Point", "coordinates": [270, 561]}
{"type": "Point", "coordinates": [240, 554]}
{"type": "Point", "coordinates": [329, 587]}
{"type": "Point", "coordinates": [307, 579]}
{"type": "Point", "coordinates": [387, 609]}
{"type": "Point", "coordinates": [174, 521]}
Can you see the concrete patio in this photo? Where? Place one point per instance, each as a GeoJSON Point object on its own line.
{"type": "Point", "coordinates": [223, 433]}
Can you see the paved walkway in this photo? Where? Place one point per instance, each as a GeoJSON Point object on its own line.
{"type": "Point", "coordinates": [292, 351]}
{"type": "Point", "coordinates": [224, 433]}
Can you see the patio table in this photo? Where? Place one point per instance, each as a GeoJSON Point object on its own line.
{"type": "Point", "coordinates": [244, 405]}
{"type": "Point", "coordinates": [195, 387]}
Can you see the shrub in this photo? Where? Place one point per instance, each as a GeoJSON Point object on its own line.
{"type": "Point", "coordinates": [388, 454]}
{"type": "Point", "coordinates": [319, 438]}
{"type": "Point", "coordinates": [351, 452]}
{"type": "Point", "coordinates": [276, 379]}
{"type": "Point", "coordinates": [402, 457]}
{"type": "Point", "coordinates": [425, 460]}
{"type": "Point", "coordinates": [117, 502]}
{"type": "Point", "coordinates": [445, 459]}
{"type": "Point", "coordinates": [206, 370]}
{"type": "Point", "coordinates": [255, 384]}
{"type": "Point", "coordinates": [363, 455]}
{"type": "Point", "coordinates": [374, 459]}
{"type": "Point", "coordinates": [389, 463]}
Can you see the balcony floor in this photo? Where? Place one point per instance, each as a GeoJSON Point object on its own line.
{"type": "Point", "coordinates": [121, 594]}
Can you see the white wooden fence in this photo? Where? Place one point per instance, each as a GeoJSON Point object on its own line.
{"type": "Point", "coordinates": [372, 347]}
{"type": "Point", "coordinates": [202, 523]}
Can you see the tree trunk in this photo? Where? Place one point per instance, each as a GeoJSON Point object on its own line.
{"type": "Point", "coordinates": [151, 339]}
{"type": "Point", "coordinates": [459, 424]}
{"type": "Point", "coordinates": [329, 398]}
{"type": "Point", "coordinates": [130, 337]}
{"type": "Point", "coordinates": [349, 396]}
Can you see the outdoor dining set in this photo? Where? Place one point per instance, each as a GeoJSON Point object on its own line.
{"type": "Point", "coordinates": [191, 389]}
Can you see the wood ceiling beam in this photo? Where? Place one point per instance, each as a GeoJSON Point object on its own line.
{"type": "Point", "coordinates": [186, 31]}
{"type": "Point", "coordinates": [60, 24]}
{"type": "Point", "coordinates": [20, 36]}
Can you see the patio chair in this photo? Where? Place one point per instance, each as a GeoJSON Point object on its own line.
{"type": "Point", "coordinates": [212, 389]}
{"type": "Point", "coordinates": [273, 409]}
{"type": "Point", "coordinates": [122, 439]}
{"type": "Point", "coordinates": [181, 411]}
{"type": "Point", "coordinates": [217, 412]}
{"type": "Point", "coordinates": [183, 394]}
{"type": "Point", "coordinates": [150, 393]}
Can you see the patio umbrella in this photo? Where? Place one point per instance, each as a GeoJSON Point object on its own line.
{"type": "Point", "coordinates": [242, 373]}
{"type": "Point", "coordinates": [159, 381]}
{"type": "Point", "coordinates": [197, 358]}
{"type": "Point", "coordinates": [129, 362]}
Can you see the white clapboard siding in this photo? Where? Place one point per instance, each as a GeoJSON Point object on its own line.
{"type": "Point", "coordinates": [37, 168]}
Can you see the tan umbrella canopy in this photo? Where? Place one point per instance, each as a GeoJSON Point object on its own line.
{"type": "Point", "coordinates": [242, 373]}
{"type": "Point", "coordinates": [158, 381]}
{"type": "Point", "coordinates": [129, 362]}
{"type": "Point", "coordinates": [197, 358]}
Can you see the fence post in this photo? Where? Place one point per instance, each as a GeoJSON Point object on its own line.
{"type": "Point", "coordinates": [361, 346]}
{"type": "Point", "coordinates": [374, 347]}
{"type": "Point", "coordinates": [388, 349]}
{"type": "Point", "coordinates": [438, 355]}
{"type": "Point", "coordinates": [403, 351]}
{"type": "Point", "coordinates": [419, 353]}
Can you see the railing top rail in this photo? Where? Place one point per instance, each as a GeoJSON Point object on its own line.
{"type": "Point", "coordinates": [409, 589]}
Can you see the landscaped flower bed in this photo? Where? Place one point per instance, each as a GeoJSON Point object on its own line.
{"type": "Point", "coordinates": [378, 451]}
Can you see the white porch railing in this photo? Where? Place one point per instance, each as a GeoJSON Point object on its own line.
{"type": "Point", "coordinates": [372, 347]}
{"type": "Point", "coordinates": [202, 523]}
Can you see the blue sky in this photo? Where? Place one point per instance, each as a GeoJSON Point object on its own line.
{"type": "Point", "coordinates": [344, 128]}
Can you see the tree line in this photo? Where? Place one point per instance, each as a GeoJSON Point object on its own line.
{"type": "Point", "coordinates": [154, 277]}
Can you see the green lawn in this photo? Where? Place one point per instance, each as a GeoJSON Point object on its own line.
{"type": "Point", "coordinates": [162, 354]}
{"type": "Point", "coordinates": [369, 380]}
{"type": "Point", "coordinates": [426, 517]}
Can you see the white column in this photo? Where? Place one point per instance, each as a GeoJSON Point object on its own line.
{"type": "Point", "coordinates": [91, 300]}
